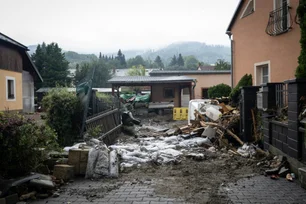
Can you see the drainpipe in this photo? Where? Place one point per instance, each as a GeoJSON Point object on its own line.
{"type": "Point", "coordinates": [195, 83]}
{"type": "Point", "coordinates": [229, 33]}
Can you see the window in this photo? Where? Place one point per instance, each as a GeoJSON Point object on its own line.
{"type": "Point", "coordinates": [249, 9]}
{"type": "Point", "coordinates": [265, 74]}
{"type": "Point", "coordinates": [262, 73]}
{"type": "Point", "coordinates": [205, 93]}
{"type": "Point", "coordinates": [280, 20]}
{"type": "Point", "coordinates": [10, 89]}
{"type": "Point", "coordinates": [168, 92]}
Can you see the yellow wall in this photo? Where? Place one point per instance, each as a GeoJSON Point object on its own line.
{"type": "Point", "coordinates": [10, 105]}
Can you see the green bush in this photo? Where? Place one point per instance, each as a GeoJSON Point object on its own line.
{"type": "Point", "coordinates": [219, 91]}
{"type": "Point", "coordinates": [20, 142]}
{"type": "Point", "coordinates": [64, 114]}
{"type": "Point", "coordinates": [246, 80]}
{"type": "Point", "coordinates": [107, 98]}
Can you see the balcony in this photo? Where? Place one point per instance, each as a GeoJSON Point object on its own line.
{"type": "Point", "coordinates": [280, 21]}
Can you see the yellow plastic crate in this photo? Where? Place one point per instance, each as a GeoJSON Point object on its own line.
{"type": "Point", "coordinates": [180, 113]}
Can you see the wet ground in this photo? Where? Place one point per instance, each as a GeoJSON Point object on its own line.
{"type": "Point", "coordinates": [218, 178]}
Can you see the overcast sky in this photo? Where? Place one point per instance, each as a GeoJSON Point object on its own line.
{"type": "Point", "coordinates": [90, 26]}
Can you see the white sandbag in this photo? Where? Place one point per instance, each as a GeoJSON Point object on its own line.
{"type": "Point", "coordinates": [196, 141]}
{"type": "Point", "coordinates": [113, 164]}
{"type": "Point", "coordinates": [102, 165]}
{"type": "Point", "coordinates": [98, 162]}
{"type": "Point", "coordinates": [92, 158]}
{"type": "Point", "coordinates": [130, 147]}
{"type": "Point", "coordinates": [137, 154]}
{"type": "Point", "coordinates": [134, 159]}
{"type": "Point", "coordinates": [172, 139]}
{"type": "Point", "coordinates": [170, 153]}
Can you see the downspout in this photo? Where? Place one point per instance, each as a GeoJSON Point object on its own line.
{"type": "Point", "coordinates": [229, 33]}
{"type": "Point", "coordinates": [195, 83]}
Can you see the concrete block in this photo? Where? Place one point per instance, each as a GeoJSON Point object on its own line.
{"type": "Point", "coordinates": [302, 176]}
{"type": "Point", "coordinates": [63, 171]}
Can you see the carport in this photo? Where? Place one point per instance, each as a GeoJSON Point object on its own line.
{"type": "Point", "coordinates": [163, 89]}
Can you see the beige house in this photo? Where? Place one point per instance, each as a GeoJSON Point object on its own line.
{"type": "Point", "coordinates": [17, 75]}
{"type": "Point", "coordinates": [265, 40]}
{"type": "Point", "coordinates": [204, 79]}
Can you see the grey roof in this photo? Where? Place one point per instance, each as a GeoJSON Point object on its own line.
{"type": "Point", "coordinates": [149, 79]}
{"type": "Point", "coordinates": [11, 41]}
{"type": "Point", "coordinates": [33, 65]}
{"type": "Point", "coordinates": [183, 72]}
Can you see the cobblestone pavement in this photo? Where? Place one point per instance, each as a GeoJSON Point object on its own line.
{"type": "Point", "coordinates": [261, 189]}
{"type": "Point", "coordinates": [258, 189]}
{"type": "Point", "coordinates": [127, 193]}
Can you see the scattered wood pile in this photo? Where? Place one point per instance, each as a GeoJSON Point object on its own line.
{"type": "Point", "coordinates": [221, 126]}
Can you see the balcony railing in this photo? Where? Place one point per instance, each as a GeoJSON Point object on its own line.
{"type": "Point", "coordinates": [280, 21]}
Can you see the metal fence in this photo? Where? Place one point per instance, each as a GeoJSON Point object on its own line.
{"type": "Point", "coordinates": [281, 91]}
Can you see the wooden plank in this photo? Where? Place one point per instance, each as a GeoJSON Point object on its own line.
{"type": "Point", "coordinates": [111, 131]}
{"type": "Point", "coordinates": [101, 116]}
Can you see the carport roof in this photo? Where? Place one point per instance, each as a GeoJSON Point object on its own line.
{"type": "Point", "coordinates": [149, 80]}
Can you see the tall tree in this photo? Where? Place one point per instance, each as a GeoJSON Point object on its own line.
{"type": "Point", "coordinates": [221, 64]}
{"type": "Point", "coordinates": [180, 60]}
{"type": "Point", "coordinates": [100, 56]}
{"type": "Point", "coordinates": [52, 65]}
{"type": "Point", "coordinates": [136, 71]}
{"type": "Point", "coordinates": [158, 62]}
{"type": "Point", "coordinates": [138, 60]}
{"type": "Point", "coordinates": [173, 61]}
{"type": "Point", "coordinates": [191, 62]}
{"type": "Point", "coordinates": [121, 58]}
{"type": "Point", "coordinates": [101, 75]}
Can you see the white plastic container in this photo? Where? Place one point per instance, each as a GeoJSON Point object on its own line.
{"type": "Point", "coordinates": [199, 105]}
{"type": "Point", "coordinates": [213, 113]}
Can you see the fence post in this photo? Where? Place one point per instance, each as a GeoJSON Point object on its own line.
{"type": "Point", "coordinates": [296, 89]}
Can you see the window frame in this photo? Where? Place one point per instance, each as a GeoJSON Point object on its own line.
{"type": "Point", "coordinates": [168, 88]}
{"type": "Point", "coordinates": [7, 79]}
{"type": "Point", "coordinates": [258, 73]}
{"type": "Point", "coordinates": [243, 15]}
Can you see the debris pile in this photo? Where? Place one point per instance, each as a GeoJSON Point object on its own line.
{"type": "Point", "coordinates": [211, 131]}
{"type": "Point", "coordinates": [277, 167]}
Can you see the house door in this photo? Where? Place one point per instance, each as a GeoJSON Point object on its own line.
{"type": "Point", "coordinates": [205, 93]}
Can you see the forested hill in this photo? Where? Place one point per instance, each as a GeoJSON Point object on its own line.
{"type": "Point", "coordinates": [203, 52]}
